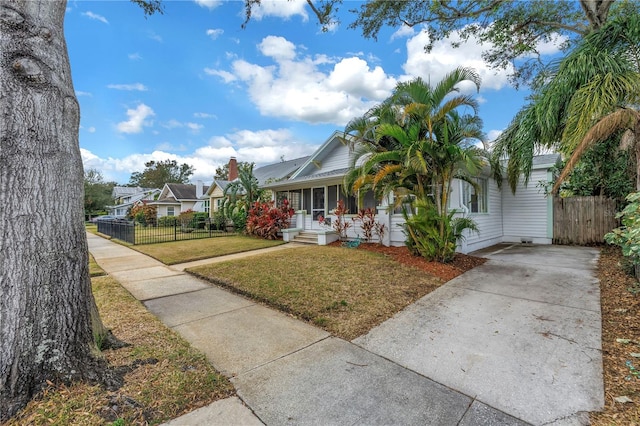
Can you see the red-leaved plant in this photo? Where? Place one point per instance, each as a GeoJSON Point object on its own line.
{"type": "Point", "coordinates": [265, 220]}
{"type": "Point", "coordinates": [367, 219]}
{"type": "Point", "coordinates": [340, 224]}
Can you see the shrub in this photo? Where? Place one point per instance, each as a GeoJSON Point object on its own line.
{"type": "Point", "coordinates": [434, 236]}
{"type": "Point", "coordinates": [144, 214]}
{"type": "Point", "coordinates": [368, 224]}
{"type": "Point", "coordinates": [239, 219]}
{"type": "Point", "coordinates": [167, 221]}
{"type": "Point", "coordinates": [266, 221]}
{"type": "Point", "coordinates": [340, 225]}
{"type": "Point", "coordinates": [627, 236]}
{"type": "Point", "coordinates": [218, 221]}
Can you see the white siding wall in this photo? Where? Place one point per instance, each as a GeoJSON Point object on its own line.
{"type": "Point", "coordinates": [187, 205]}
{"type": "Point", "coordinates": [526, 214]}
{"type": "Point", "coordinates": [338, 158]}
{"type": "Point", "coordinates": [397, 233]}
{"type": "Point", "coordinates": [489, 224]}
{"type": "Point", "coordinates": [162, 211]}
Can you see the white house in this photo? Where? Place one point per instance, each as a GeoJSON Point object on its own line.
{"type": "Point", "coordinates": [177, 197]}
{"type": "Point", "coordinates": [129, 196]}
{"type": "Point", "coordinates": [315, 188]}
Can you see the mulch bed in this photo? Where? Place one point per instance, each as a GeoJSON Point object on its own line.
{"type": "Point", "coordinates": [620, 302]}
{"type": "Point", "coordinates": [460, 264]}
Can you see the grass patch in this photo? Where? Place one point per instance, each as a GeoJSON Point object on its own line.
{"type": "Point", "coordinates": [168, 377]}
{"type": "Point", "coordinates": [94, 269]}
{"type": "Point", "coordinates": [346, 292]}
{"type": "Point", "coordinates": [186, 251]}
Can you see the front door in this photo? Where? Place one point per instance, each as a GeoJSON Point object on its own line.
{"type": "Point", "coordinates": [317, 207]}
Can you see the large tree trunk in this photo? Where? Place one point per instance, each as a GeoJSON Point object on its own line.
{"type": "Point", "coordinates": [46, 303]}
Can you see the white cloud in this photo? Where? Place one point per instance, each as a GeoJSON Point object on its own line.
{"type": "Point", "coordinates": [403, 32]}
{"type": "Point", "coordinates": [443, 59]}
{"type": "Point", "coordinates": [134, 86]}
{"type": "Point", "coordinates": [492, 135]}
{"type": "Point", "coordinates": [95, 16]}
{"type": "Point", "coordinates": [134, 56]}
{"type": "Point", "coordinates": [91, 129]}
{"type": "Point", "coordinates": [80, 93]}
{"type": "Point", "coordinates": [173, 124]}
{"type": "Point", "coordinates": [209, 4]}
{"type": "Point", "coordinates": [194, 127]}
{"type": "Point", "coordinates": [278, 48]}
{"type": "Point", "coordinates": [215, 33]}
{"type": "Point", "coordinates": [261, 147]}
{"type": "Point", "coordinates": [296, 87]}
{"type": "Point", "coordinates": [225, 75]}
{"type": "Point", "coordinates": [552, 46]}
{"type": "Point", "coordinates": [280, 9]}
{"type": "Point", "coordinates": [154, 36]}
{"type": "Point", "coordinates": [168, 146]}
{"type": "Point", "coordinates": [204, 115]}
{"type": "Point", "coordinates": [136, 120]}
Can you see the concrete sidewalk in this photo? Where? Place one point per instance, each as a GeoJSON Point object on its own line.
{"type": "Point", "coordinates": [288, 372]}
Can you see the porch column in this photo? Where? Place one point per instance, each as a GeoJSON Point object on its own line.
{"type": "Point", "coordinates": [384, 217]}
{"type": "Point", "coordinates": [300, 217]}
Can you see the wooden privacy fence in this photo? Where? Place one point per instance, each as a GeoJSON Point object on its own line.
{"type": "Point", "coordinates": [583, 220]}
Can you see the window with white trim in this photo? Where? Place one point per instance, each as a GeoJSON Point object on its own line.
{"type": "Point", "coordinates": [476, 200]}
{"type": "Point", "coordinates": [171, 211]}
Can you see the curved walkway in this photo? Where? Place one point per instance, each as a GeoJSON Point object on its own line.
{"type": "Point", "coordinates": [514, 341]}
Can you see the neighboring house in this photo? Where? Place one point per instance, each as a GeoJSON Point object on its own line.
{"type": "Point", "coordinates": [215, 195]}
{"type": "Point", "coordinates": [266, 174]}
{"type": "Point", "coordinates": [177, 197]}
{"type": "Point", "coordinates": [128, 196]}
{"type": "Point", "coordinates": [314, 189]}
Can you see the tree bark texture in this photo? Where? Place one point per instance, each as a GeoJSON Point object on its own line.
{"type": "Point", "coordinates": [45, 289]}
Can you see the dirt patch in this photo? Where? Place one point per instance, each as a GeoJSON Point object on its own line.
{"type": "Point", "coordinates": [620, 302]}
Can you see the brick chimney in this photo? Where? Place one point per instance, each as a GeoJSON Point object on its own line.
{"type": "Point", "coordinates": [233, 169]}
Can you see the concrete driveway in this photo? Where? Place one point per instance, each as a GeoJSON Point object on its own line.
{"type": "Point", "coordinates": [520, 333]}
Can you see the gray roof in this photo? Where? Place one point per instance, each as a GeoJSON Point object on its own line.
{"type": "Point", "coordinates": [545, 159]}
{"type": "Point", "coordinates": [278, 171]}
{"type": "Point", "coordinates": [309, 178]}
{"type": "Point", "coordinates": [124, 191]}
{"type": "Point", "coordinates": [183, 191]}
{"type": "Point", "coordinates": [222, 184]}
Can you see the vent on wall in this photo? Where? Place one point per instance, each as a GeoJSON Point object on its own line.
{"type": "Point", "coordinates": [525, 241]}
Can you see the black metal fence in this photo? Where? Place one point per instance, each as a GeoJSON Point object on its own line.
{"type": "Point", "coordinates": [165, 230]}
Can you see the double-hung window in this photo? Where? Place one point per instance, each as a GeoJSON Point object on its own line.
{"type": "Point", "coordinates": [475, 199]}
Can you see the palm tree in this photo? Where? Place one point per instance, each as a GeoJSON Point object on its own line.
{"type": "Point", "coordinates": [245, 187]}
{"type": "Point", "coordinates": [584, 99]}
{"type": "Point", "coordinates": [416, 143]}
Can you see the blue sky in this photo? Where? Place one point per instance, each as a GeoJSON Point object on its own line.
{"type": "Point", "coordinates": [193, 86]}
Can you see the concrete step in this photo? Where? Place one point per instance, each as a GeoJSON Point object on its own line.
{"type": "Point", "coordinates": [306, 238]}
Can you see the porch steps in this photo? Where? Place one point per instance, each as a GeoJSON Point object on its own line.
{"type": "Point", "coordinates": [306, 238]}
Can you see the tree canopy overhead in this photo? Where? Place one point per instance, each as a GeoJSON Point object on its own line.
{"type": "Point", "coordinates": [587, 97]}
{"type": "Point", "coordinates": [512, 31]}
{"type": "Point", "coordinates": [157, 173]}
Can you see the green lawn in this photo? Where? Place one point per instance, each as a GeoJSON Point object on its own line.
{"type": "Point", "coordinates": [347, 292]}
{"type": "Point", "coordinates": [175, 252]}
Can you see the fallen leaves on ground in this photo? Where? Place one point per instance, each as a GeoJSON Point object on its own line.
{"type": "Point", "coordinates": [620, 302]}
